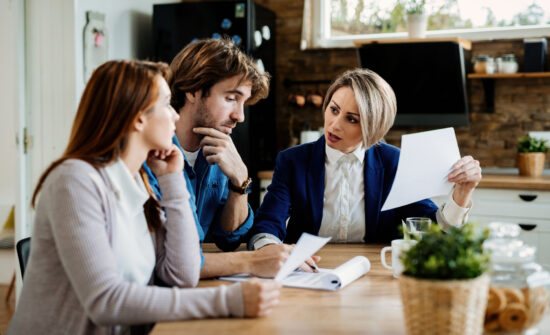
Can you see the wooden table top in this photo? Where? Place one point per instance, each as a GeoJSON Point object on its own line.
{"type": "Point", "coordinates": [370, 305]}
{"type": "Point", "coordinates": [503, 181]}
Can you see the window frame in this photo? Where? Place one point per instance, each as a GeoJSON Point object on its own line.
{"type": "Point", "coordinates": [322, 30]}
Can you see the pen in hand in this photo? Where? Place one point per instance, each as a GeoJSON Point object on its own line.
{"type": "Point", "coordinates": [307, 267]}
{"type": "Point", "coordinates": [312, 263]}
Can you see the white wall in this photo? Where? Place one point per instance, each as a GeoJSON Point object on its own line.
{"type": "Point", "coordinates": [55, 73]}
{"type": "Point", "coordinates": [50, 76]}
{"type": "Point", "coordinates": [129, 29]}
{"type": "Point", "coordinates": [55, 63]}
{"type": "Point", "coordinates": [55, 60]}
{"type": "Point", "coordinates": [9, 106]}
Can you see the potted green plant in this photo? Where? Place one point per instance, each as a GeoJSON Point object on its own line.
{"type": "Point", "coordinates": [531, 154]}
{"type": "Point", "coordinates": [417, 20]}
{"type": "Point", "coordinates": [444, 285]}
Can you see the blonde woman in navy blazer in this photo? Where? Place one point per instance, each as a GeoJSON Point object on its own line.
{"type": "Point", "coordinates": [316, 195]}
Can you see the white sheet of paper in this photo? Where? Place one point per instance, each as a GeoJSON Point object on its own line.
{"type": "Point", "coordinates": [425, 161]}
{"type": "Point", "coordinates": [306, 246]}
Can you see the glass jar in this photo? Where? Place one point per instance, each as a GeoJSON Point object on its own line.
{"type": "Point", "coordinates": [519, 288]}
{"type": "Point", "coordinates": [484, 64]}
{"type": "Point", "coordinates": [509, 64]}
{"type": "Point", "coordinates": [498, 65]}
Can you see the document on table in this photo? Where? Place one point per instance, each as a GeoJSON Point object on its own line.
{"type": "Point", "coordinates": [425, 161]}
{"type": "Point", "coordinates": [326, 279]}
{"type": "Point", "coordinates": [306, 246]}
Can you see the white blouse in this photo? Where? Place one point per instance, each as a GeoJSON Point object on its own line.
{"type": "Point", "coordinates": [132, 241]}
{"type": "Point", "coordinates": [344, 200]}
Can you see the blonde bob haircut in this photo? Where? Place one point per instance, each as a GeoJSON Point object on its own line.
{"type": "Point", "coordinates": [375, 100]}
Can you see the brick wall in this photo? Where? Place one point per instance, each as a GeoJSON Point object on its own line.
{"type": "Point", "coordinates": [521, 105]}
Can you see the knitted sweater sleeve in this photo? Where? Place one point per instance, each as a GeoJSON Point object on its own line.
{"type": "Point", "coordinates": [76, 211]}
{"type": "Point", "coordinates": [177, 243]}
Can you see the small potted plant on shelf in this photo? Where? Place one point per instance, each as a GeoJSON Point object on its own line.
{"type": "Point", "coordinates": [531, 154]}
{"type": "Point", "coordinates": [444, 285]}
{"type": "Point", "coordinates": [417, 20]}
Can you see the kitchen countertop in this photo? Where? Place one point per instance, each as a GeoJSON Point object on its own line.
{"type": "Point", "coordinates": [508, 171]}
{"type": "Point", "coordinates": [492, 178]}
{"type": "Point", "coordinates": [515, 182]}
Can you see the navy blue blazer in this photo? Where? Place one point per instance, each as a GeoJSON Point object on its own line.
{"type": "Point", "coordinates": [298, 188]}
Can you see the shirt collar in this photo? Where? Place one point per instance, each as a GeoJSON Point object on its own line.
{"type": "Point", "coordinates": [334, 155]}
{"type": "Point", "coordinates": [129, 191]}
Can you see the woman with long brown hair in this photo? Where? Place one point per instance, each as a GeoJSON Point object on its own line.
{"type": "Point", "coordinates": [99, 235]}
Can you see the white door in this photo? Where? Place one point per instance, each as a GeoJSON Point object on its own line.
{"type": "Point", "coordinates": [46, 54]}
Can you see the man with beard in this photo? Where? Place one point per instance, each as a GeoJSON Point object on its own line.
{"type": "Point", "coordinates": [212, 82]}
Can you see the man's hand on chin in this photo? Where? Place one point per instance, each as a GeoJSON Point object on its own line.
{"type": "Point", "coordinates": [218, 148]}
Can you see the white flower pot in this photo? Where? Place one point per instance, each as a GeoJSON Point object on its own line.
{"type": "Point", "coordinates": [416, 25]}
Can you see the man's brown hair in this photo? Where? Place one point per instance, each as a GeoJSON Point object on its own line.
{"type": "Point", "coordinates": [203, 63]}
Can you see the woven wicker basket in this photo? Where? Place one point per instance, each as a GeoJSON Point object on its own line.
{"type": "Point", "coordinates": [446, 307]}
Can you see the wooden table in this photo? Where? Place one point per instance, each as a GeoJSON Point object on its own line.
{"type": "Point", "coordinates": [370, 305]}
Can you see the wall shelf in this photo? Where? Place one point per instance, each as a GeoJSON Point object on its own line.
{"type": "Point", "coordinates": [509, 75]}
{"type": "Point", "coordinates": [488, 81]}
{"type": "Point", "coordinates": [467, 45]}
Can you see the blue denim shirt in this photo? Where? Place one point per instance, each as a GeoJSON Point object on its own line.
{"type": "Point", "coordinates": [208, 191]}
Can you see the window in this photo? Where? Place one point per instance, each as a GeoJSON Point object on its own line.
{"type": "Point", "coordinates": [342, 21]}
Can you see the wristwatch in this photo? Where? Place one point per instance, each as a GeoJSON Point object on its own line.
{"type": "Point", "coordinates": [245, 188]}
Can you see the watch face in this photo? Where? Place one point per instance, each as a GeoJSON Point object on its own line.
{"type": "Point", "coordinates": [248, 187]}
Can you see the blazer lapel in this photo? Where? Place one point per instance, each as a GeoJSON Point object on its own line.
{"type": "Point", "coordinates": [374, 182]}
{"type": "Point", "coordinates": [316, 182]}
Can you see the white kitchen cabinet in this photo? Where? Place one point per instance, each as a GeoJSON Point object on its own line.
{"type": "Point", "coordinates": [530, 209]}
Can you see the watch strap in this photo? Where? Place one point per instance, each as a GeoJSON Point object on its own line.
{"type": "Point", "coordinates": [243, 189]}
